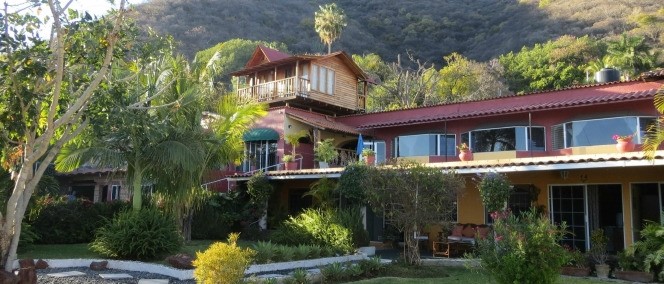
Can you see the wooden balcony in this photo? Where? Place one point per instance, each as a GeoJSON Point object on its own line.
{"type": "Point", "coordinates": [276, 90]}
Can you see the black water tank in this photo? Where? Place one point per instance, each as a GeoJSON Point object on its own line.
{"type": "Point", "coordinates": [607, 75]}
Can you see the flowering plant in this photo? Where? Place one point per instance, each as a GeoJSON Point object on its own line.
{"type": "Point", "coordinates": [463, 147]}
{"type": "Point", "coordinates": [623, 137]}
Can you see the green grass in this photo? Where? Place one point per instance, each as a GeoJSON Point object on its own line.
{"type": "Point", "coordinates": [448, 275]}
{"type": "Point", "coordinates": [82, 250]}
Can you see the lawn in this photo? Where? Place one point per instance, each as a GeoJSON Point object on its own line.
{"type": "Point", "coordinates": [82, 250]}
{"type": "Point", "coordinates": [448, 275]}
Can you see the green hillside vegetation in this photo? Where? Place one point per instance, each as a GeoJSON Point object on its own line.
{"type": "Point", "coordinates": [479, 29]}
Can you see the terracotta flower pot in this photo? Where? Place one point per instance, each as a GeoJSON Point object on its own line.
{"type": "Point", "coordinates": [291, 166]}
{"type": "Point", "coordinates": [575, 271]}
{"type": "Point", "coordinates": [635, 276]}
{"type": "Point", "coordinates": [465, 155]}
{"type": "Point", "coordinates": [624, 145]}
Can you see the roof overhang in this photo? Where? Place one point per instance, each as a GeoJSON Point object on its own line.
{"type": "Point", "coordinates": [516, 165]}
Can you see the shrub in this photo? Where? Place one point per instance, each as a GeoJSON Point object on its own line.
{"type": "Point", "coordinates": [495, 191]}
{"type": "Point", "coordinates": [265, 252]}
{"type": "Point", "coordinates": [220, 210]}
{"type": "Point", "coordinates": [301, 252]}
{"type": "Point", "coordinates": [299, 276]}
{"type": "Point", "coordinates": [370, 267]}
{"type": "Point", "coordinates": [350, 185]}
{"type": "Point", "coordinates": [334, 272]}
{"type": "Point", "coordinates": [60, 221]}
{"type": "Point", "coordinates": [284, 253]}
{"type": "Point", "coordinates": [138, 235]}
{"type": "Point", "coordinates": [647, 254]}
{"type": "Point", "coordinates": [222, 262]}
{"type": "Point", "coordinates": [328, 228]}
{"type": "Point", "coordinates": [524, 249]}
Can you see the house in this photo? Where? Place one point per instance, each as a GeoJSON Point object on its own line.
{"type": "Point", "coordinates": [556, 146]}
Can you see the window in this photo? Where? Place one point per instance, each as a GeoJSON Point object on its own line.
{"type": "Point", "coordinates": [425, 145]}
{"type": "Point", "coordinates": [520, 138]}
{"type": "Point", "coordinates": [260, 155]}
{"type": "Point", "coordinates": [115, 192]}
{"type": "Point", "coordinates": [322, 79]}
{"type": "Point", "coordinates": [379, 148]}
{"type": "Point", "coordinates": [520, 200]}
{"type": "Point", "coordinates": [599, 131]}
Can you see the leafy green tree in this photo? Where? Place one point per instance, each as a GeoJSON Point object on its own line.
{"type": "Point", "coordinates": [630, 54]}
{"type": "Point", "coordinates": [554, 64]}
{"type": "Point", "coordinates": [154, 129]}
{"type": "Point", "coordinates": [45, 92]}
{"type": "Point", "coordinates": [463, 79]}
{"type": "Point", "coordinates": [230, 56]}
{"type": "Point", "coordinates": [413, 196]}
{"type": "Point", "coordinates": [407, 86]}
{"type": "Point", "coordinates": [329, 21]}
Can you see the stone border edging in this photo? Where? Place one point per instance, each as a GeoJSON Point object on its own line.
{"type": "Point", "coordinates": [289, 265]}
{"type": "Point", "coordinates": [122, 265]}
{"type": "Point", "coordinates": [180, 274]}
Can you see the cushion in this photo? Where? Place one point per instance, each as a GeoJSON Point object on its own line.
{"type": "Point", "coordinates": [468, 240]}
{"type": "Point", "coordinates": [468, 231]}
{"type": "Point", "coordinates": [457, 230]}
{"type": "Point", "coordinates": [483, 231]}
{"type": "Point", "coordinates": [454, 238]}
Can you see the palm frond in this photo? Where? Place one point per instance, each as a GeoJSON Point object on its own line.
{"type": "Point", "coordinates": [71, 157]}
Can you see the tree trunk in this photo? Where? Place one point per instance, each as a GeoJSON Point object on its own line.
{"type": "Point", "coordinates": [137, 184]}
{"type": "Point", "coordinates": [186, 226]}
{"type": "Point", "coordinates": [411, 249]}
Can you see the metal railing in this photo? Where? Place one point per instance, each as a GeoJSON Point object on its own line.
{"type": "Point", "coordinates": [345, 158]}
{"type": "Point", "coordinates": [275, 89]}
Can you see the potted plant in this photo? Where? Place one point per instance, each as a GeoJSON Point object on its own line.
{"type": "Point", "coordinates": [325, 152]}
{"type": "Point", "coordinates": [598, 253]}
{"type": "Point", "coordinates": [293, 139]}
{"type": "Point", "coordinates": [577, 264]}
{"type": "Point", "coordinates": [369, 156]}
{"type": "Point", "coordinates": [624, 143]}
{"type": "Point", "coordinates": [289, 162]}
{"type": "Point", "coordinates": [464, 152]}
{"type": "Point", "coordinates": [632, 266]}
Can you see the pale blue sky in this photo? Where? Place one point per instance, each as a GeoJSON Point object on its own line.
{"type": "Point", "coordinates": [94, 7]}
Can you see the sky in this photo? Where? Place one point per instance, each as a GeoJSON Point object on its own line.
{"type": "Point", "coordinates": [94, 7]}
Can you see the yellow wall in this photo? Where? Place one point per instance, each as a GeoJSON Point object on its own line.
{"type": "Point", "coordinates": [471, 209]}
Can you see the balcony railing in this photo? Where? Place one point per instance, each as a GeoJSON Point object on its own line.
{"type": "Point", "coordinates": [344, 158]}
{"type": "Point", "coordinates": [274, 90]}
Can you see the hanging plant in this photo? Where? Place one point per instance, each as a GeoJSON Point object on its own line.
{"type": "Point", "coordinates": [495, 191]}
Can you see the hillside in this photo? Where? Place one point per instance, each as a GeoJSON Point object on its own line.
{"type": "Point", "coordinates": [478, 29]}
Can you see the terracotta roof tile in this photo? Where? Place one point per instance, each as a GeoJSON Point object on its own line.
{"type": "Point", "coordinates": [591, 161]}
{"type": "Point", "coordinates": [273, 54]}
{"type": "Point", "coordinates": [505, 105]}
{"type": "Point", "coordinates": [320, 120]}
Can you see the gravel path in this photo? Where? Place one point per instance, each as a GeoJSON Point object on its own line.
{"type": "Point", "coordinates": [92, 277]}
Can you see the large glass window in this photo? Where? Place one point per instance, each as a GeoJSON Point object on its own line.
{"type": "Point", "coordinates": [379, 148]}
{"type": "Point", "coordinates": [322, 79]}
{"type": "Point", "coordinates": [260, 155]}
{"type": "Point", "coordinates": [521, 138]}
{"type": "Point", "coordinates": [424, 145]}
{"type": "Point", "coordinates": [599, 131]}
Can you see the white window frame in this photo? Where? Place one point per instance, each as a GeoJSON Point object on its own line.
{"type": "Point", "coordinates": [439, 148]}
{"type": "Point", "coordinates": [528, 133]}
{"type": "Point", "coordinates": [323, 79]}
{"type": "Point", "coordinates": [638, 137]}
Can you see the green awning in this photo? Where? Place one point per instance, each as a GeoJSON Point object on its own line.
{"type": "Point", "coordinates": [260, 134]}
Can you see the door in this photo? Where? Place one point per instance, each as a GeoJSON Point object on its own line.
{"type": "Point", "coordinates": [585, 208]}
{"type": "Point", "coordinates": [647, 200]}
{"type": "Point", "coordinates": [568, 204]}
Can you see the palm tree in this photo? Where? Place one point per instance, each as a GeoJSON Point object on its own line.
{"type": "Point", "coordinates": [655, 134]}
{"type": "Point", "coordinates": [154, 129]}
{"type": "Point", "coordinates": [329, 21]}
{"type": "Point", "coordinates": [630, 54]}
